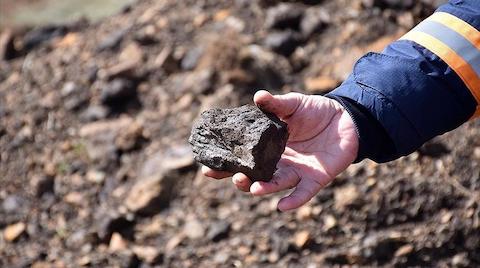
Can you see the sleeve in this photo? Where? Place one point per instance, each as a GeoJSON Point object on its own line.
{"type": "Point", "coordinates": [423, 85]}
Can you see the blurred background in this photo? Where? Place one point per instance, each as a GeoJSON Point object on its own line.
{"type": "Point", "coordinates": [97, 99]}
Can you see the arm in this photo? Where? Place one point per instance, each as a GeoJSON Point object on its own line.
{"type": "Point", "coordinates": [428, 84]}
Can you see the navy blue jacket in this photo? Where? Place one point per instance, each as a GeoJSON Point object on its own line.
{"type": "Point", "coordinates": [416, 88]}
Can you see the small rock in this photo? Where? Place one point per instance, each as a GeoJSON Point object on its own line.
{"type": "Point", "coordinates": [476, 152]}
{"type": "Point", "coordinates": [100, 138]}
{"type": "Point", "coordinates": [329, 222]}
{"type": "Point", "coordinates": [346, 196]}
{"type": "Point", "coordinates": [320, 84]}
{"type": "Point", "coordinates": [118, 92]}
{"type": "Point", "coordinates": [109, 223]}
{"type": "Point", "coordinates": [151, 255]}
{"type": "Point", "coordinates": [7, 48]}
{"type": "Point", "coordinates": [130, 138]}
{"type": "Point", "coordinates": [112, 41]}
{"type": "Point", "coordinates": [243, 139]}
{"type": "Point", "coordinates": [117, 243]}
{"type": "Point", "coordinates": [301, 239]}
{"type": "Point", "coordinates": [218, 231]}
{"type": "Point", "coordinates": [221, 257]}
{"type": "Point", "coordinates": [190, 60]}
{"type": "Point", "coordinates": [283, 16]}
{"type": "Point", "coordinates": [197, 82]}
{"type": "Point", "coordinates": [304, 213]}
{"type": "Point", "coordinates": [95, 176]}
{"type": "Point", "coordinates": [283, 43]}
{"type": "Point", "coordinates": [395, 4]}
{"type": "Point", "coordinates": [43, 34]}
{"type": "Point", "coordinates": [461, 260]}
{"type": "Point", "coordinates": [74, 198]}
{"type": "Point", "coordinates": [404, 250]}
{"type": "Point", "coordinates": [153, 191]}
{"type": "Point", "coordinates": [42, 185]}
{"type": "Point", "coordinates": [94, 113]}
{"type": "Point", "coordinates": [193, 229]}
{"type": "Point", "coordinates": [14, 231]}
{"type": "Point", "coordinates": [13, 203]}
{"type": "Point", "coordinates": [166, 61]}
{"type": "Point", "coordinates": [315, 19]}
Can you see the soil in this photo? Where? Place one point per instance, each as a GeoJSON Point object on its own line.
{"type": "Point", "coordinates": [96, 169]}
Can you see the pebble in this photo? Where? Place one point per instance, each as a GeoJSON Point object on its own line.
{"type": "Point", "coordinates": [194, 229]}
{"type": "Point", "coordinates": [14, 231]}
{"type": "Point", "coordinates": [302, 238]}
{"type": "Point", "coordinates": [218, 231]}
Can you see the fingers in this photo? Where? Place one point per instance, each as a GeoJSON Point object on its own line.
{"type": "Point", "coordinates": [242, 182]}
{"type": "Point", "coordinates": [283, 179]}
{"type": "Point", "coordinates": [215, 173]}
{"type": "Point", "coordinates": [281, 105]}
{"type": "Point", "coordinates": [306, 190]}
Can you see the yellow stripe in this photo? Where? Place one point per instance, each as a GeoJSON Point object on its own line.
{"type": "Point", "coordinates": [464, 29]}
{"type": "Point", "coordinates": [450, 57]}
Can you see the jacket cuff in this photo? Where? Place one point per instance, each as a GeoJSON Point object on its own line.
{"type": "Point", "coordinates": [374, 142]}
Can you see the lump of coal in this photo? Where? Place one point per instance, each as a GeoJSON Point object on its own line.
{"type": "Point", "coordinates": [243, 139]}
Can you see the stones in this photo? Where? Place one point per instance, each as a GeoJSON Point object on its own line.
{"type": "Point", "coordinates": [42, 185]}
{"type": "Point", "coordinates": [7, 48]}
{"type": "Point", "coordinates": [218, 231]}
{"type": "Point", "coordinates": [194, 229]}
{"type": "Point", "coordinates": [117, 92]}
{"type": "Point", "coordinates": [43, 34]}
{"type": "Point", "coordinates": [301, 239]}
{"type": "Point", "coordinates": [242, 139]}
{"type": "Point", "coordinates": [14, 231]}
{"type": "Point", "coordinates": [109, 223]}
{"type": "Point", "coordinates": [315, 20]}
{"type": "Point", "coordinates": [283, 43]}
{"type": "Point", "coordinates": [283, 16]}
{"type": "Point", "coordinates": [112, 41]}
{"type": "Point", "coordinates": [346, 196]}
{"type": "Point", "coordinates": [159, 176]}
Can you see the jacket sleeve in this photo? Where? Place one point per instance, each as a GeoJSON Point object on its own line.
{"type": "Point", "coordinates": [421, 86]}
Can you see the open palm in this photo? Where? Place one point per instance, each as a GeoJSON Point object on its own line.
{"type": "Point", "coordinates": [322, 143]}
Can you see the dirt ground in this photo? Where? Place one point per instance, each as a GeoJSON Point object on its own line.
{"type": "Point", "coordinates": [96, 170]}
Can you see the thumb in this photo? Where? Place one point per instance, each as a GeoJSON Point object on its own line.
{"type": "Point", "coordinates": [282, 105]}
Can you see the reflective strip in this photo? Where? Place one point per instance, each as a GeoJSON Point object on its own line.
{"type": "Point", "coordinates": [457, 43]}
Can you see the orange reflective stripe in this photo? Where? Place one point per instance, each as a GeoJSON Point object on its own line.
{"type": "Point", "coordinates": [450, 57]}
{"type": "Point", "coordinates": [459, 26]}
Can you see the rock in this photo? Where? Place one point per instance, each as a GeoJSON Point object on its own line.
{"type": "Point", "coordinates": [221, 257]}
{"type": "Point", "coordinates": [118, 92]}
{"type": "Point", "coordinates": [75, 96]}
{"type": "Point", "coordinates": [130, 138]}
{"type": "Point", "coordinates": [148, 254]}
{"type": "Point", "coordinates": [284, 16]}
{"type": "Point", "coordinates": [283, 43]}
{"type": "Point", "coordinates": [158, 178]}
{"type": "Point", "coordinates": [320, 84]}
{"type": "Point", "coordinates": [101, 138]}
{"type": "Point", "coordinates": [13, 203]}
{"type": "Point", "coordinates": [242, 139]}
{"type": "Point", "coordinates": [461, 260]}
{"type": "Point", "coordinates": [14, 231]}
{"type": "Point", "coordinates": [43, 34]}
{"type": "Point", "coordinates": [193, 229]}
{"type": "Point", "coordinates": [301, 239]}
{"type": "Point", "coordinates": [404, 250]}
{"type": "Point", "coordinates": [7, 48]}
{"type": "Point", "coordinates": [433, 149]}
{"type": "Point", "coordinates": [129, 61]}
{"type": "Point", "coordinates": [197, 82]}
{"type": "Point", "coordinates": [346, 196]}
{"type": "Point", "coordinates": [315, 19]}
{"type": "Point", "coordinates": [94, 113]}
{"type": "Point", "coordinates": [111, 222]}
{"type": "Point", "coordinates": [218, 231]}
{"type": "Point", "coordinates": [190, 60]}
{"type": "Point", "coordinates": [329, 222]}
{"type": "Point", "coordinates": [166, 61]}
{"type": "Point", "coordinates": [117, 243]}
{"type": "Point", "coordinates": [112, 41]}
{"type": "Point", "coordinates": [42, 185]}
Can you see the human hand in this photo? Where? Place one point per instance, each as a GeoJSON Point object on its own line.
{"type": "Point", "coordinates": [322, 143]}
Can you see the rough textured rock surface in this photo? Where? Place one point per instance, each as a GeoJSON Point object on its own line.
{"type": "Point", "coordinates": [243, 139]}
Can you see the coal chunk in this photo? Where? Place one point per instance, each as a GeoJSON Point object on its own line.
{"type": "Point", "coordinates": [243, 139]}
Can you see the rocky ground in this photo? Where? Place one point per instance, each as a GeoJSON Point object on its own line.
{"type": "Point", "coordinates": [96, 169]}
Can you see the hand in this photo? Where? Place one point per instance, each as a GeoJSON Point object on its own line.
{"type": "Point", "coordinates": [322, 143]}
